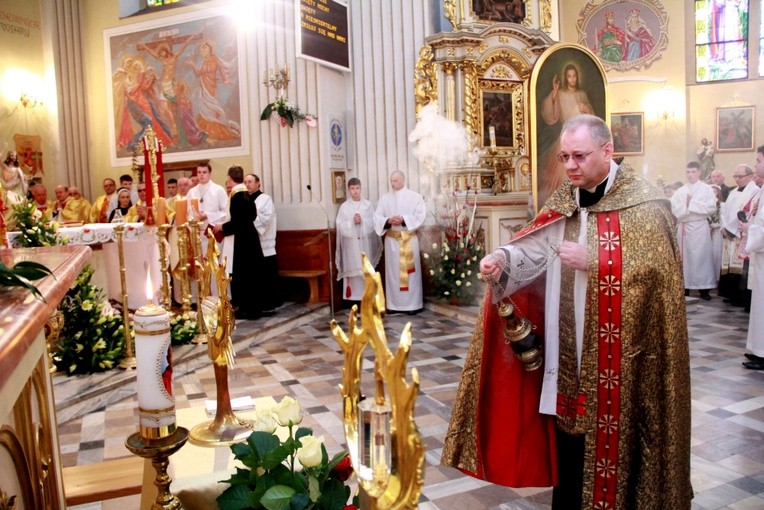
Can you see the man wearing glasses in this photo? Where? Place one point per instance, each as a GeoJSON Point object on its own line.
{"type": "Point", "coordinates": [598, 274]}
{"type": "Point", "coordinates": [738, 207]}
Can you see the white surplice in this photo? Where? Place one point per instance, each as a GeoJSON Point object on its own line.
{"type": "Point", "coordinates": [755, 247]}
{"type": "Point", "coordinates": [410, 205]}
{"type": "Point", "coordinates": [352, 239]}
{"type": "Point", "coordinates": [213, 200]}
{"type": "Point", "coordinates": [692, 204]}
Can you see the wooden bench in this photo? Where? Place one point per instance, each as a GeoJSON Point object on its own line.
{"type": "Point", "coordinates": [311, 275]}
{"type": "Point", "coordinates": [109, 479]}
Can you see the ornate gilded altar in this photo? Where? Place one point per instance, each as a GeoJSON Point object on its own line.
{"type": "Point", "coordinates": [479, 74]}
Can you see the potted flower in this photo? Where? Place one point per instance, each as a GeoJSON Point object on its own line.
{"type": "Point", "coordinates": [270, 479]}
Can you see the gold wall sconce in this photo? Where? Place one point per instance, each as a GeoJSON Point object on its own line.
{"type": "Point", "coordinates": [278, 78]}
{"type": "Point", "coordinates": [383, 441]}
{"type": "Point", "coordinates": [28, 101]}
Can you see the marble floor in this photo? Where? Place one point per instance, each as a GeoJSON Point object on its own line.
{"type": "Point", "coordinates": [305, 362]}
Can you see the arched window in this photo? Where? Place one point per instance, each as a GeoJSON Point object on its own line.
{"type": "Point", "coordinates": [721, 40]}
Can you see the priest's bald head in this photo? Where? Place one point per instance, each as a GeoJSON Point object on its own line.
{"type": "Point", "coordinates": [397, 180]}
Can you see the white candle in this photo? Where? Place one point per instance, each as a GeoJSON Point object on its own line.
{"type": "Point", "coordinates": [492, 136]}
{"type": "Point", "coordinates": [156, 404]}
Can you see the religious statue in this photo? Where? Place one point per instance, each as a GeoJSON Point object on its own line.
{"type": "Point", "coordinates": [425, 79]}
{"type": "Point", "coordinates": [706, 158]}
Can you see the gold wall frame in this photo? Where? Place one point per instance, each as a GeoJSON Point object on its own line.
{"type": "Point", "coordinates": [502, 106]}
{"type": "Point", "coordinates": [459, 12]}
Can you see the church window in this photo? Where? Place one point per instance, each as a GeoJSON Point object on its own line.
{"type": "Point", "coordinates": [721, 40]}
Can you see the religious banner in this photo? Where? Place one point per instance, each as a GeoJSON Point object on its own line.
{"type": "Point", "coordinates": [29, 151]}
{"type": "Point", "coordinates": [184, 76]}
{"type": "Point", "coordinates": [338, 155]}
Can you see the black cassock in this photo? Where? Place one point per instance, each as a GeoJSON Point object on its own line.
{"type": "Point", "coordinates": [247, 256]}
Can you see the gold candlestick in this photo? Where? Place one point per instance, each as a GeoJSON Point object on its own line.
{"type": "Point", "coordinates": [164, 264]}
{"type": "Point", "coordinates": [129, 360]}
{"type": "Point", "coordinates": [375, 430]}
{"type": "Point", "coordinates": [159, 452]}
{"type": "Point", "coordinates": [183, 265]}
{"type": "Point", "coordinates": [201, 292]}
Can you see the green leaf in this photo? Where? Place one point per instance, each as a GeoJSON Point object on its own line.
{"type": "Point", "coordinates": [275, 457]}
{"type": "Point", "coordinates": [299, 501]}
{"type": "Point", "coordinates": [262, 442]}
{"type": "Point", "coordinates": [266, 112]}
{"type": "Point", "coordinates": [235, 497]}
{"type": "Point", "coordinates": [240, 477]}
{"type": "Point", "coordinates": [336, 460]}
{"type": "Point", "coordinates": [302, 432]}
{"type": "Point", "coordinates": [277, 497]}
{"type": "Point", "coordinates": [243, 451]}
{"type": "Point", "coordinates": [314, 489]}
{"type": "Point", "coordinates": [334, 495]}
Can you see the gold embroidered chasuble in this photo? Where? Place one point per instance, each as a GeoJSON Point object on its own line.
{"type": "Point", "coordinates": [631, 398]}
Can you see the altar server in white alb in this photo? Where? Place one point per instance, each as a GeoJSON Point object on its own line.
{"type": "Point", "coordinates": [355, 234]}
{"type": "Point", "coordinates": [213, 200]}
{"type": "Point", "coordinates": [755, 247]}
{"type": "Point", "coordinates": [692, 204]}
{"type": "Point", "coordinates": [398, 216]}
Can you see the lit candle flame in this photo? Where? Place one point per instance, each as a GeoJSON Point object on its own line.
{"type": "Point", "coordinates": [149, 287]}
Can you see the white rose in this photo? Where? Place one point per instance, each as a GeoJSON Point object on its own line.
{"type": "Point", "coordinates": [468, 262]}
{"type": "Point", "coordinates": [288, 411]}
{"type": "Point", "coordinates": [445, 257]}
{"type": "Point", "coordinates": [434, 246]}
{"type": "Point", "coordinates": [468, 284]}
{"type": "Point", "coordinates": [425, 256]}
{"type": "Point", "coordinates": [432, 272]}
{"type": "Point", "coordinates": [446, 293]}
{"type": "Point", "coordinates": [265, 422]}
{"type": "Point", "coordinates": [462, 275]}
{"type": "Point", "coordinates": [458, 283]}
{"type": "Point", "coordinates": [453, 271]}
{"type": "Point", "coordinates": [309, 454]}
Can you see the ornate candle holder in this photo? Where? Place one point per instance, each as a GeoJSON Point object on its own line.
{"type": "Point", "coordinates": [384, 444]}
{"type": "Point", "coordinates": [159, 452]}
{"type": "Point", "coordinates": [201, 292]}
{"type": "Point", "coordinates": [128, 361]}
{"type": "Point", "coordinates": [226, 429]}
{"type": "Point", "coordinates": [183, 268]}
{"type": "Point", "coordinates": [164, 264]}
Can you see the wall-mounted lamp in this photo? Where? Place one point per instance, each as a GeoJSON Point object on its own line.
{"type": "Point", "coordinates": [278, 78]}
{"type": "Point", "coordinates": [28, 101]}
{"type": "Point", "coordinates": [665, 101]}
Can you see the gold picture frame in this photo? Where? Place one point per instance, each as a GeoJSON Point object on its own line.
{"type": "Point", "coordinates": [735, 128]}
{"type": "Point", "coordinates": [628, 133]}
{"type": "Point", "coordinates": [501, 106]}
{"type": "Point", "coordinates": [339, 193]}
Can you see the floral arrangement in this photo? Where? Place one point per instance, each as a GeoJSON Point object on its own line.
{"type": "Point", "coordinates": [183, 328]}
{"type": "Point", "coordinates": [34, 230]}
{"type": "Point", "coordinates": [22, 274]}
{"type": "Point", "coordinates": [270, 479]}
{"type": "Point", "coordinates": [454, 262]}
{"type": "Point", "coordinates": [288, 113]}
{"type": "Point", "coordinates": [92, 338]}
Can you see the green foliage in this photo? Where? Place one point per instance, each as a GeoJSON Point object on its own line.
{"type": "Point", "coordinates": [92, 338]}
{"type": "Point", "coordinates": [269, 479]}
{"type": "Point", "coordinates": [288, 113]}
{"type": "Point", "coordinates": [183, 328]}
{"type": "Point", "coordinates": [454, 263]}
{"type": "Point", "coordinates": [22, 274]}
{"type": "Point", "coordinates": [34, 230]}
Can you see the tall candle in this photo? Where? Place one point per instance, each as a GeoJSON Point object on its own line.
{"type": "Point", "coordinates": [181, 211]}
{"type": "Point", "coordinates": [492, 136]}
{"type": "Point", "coordinates": [156, 404]}
{"type": "Point", "coordinates": [195, 206]}
{"type": "Point", "coordinates": [161, 211]}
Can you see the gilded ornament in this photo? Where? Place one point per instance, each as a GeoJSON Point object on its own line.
{"type": "Point", "coordinates": [425, 79]}
{"type": "Point", "coordinates": [500, 72]}
{"type": "Point", "coordinates": [483, 46]}
{"type": "Point", "coordinates": [449, 11]}
{"type": "Point", "coordinates": [471, 106]}
{"type": "Point", "coordinates": [7, 502]}
{"type": "Point", "coordinates": [546, 15]}
{"type": "Point", "coordinates": [503, 39]}
{"type": "Point", "coordinates": [451, 52]}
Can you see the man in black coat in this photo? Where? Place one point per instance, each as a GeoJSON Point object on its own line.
{"type": "Point", "coordinates": [247, 254]}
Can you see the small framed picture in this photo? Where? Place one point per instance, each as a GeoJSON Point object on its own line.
{"type": "Point", "coordinates": [338, 186]}
{"type": "Point", "coordinates": [628, 133]}
{"type": "Point", "coordinates": [734, 128]}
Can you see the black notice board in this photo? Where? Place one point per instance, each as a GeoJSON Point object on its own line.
{"type": "Point", "coordinates": [322, 32]}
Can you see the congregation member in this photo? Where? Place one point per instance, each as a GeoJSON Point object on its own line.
{"type": "Point", "coordinates": [717, 178]}
{"type": "Point", "coordinates": [246, 255]}
{"type": "Point", "coordinates": [171, 190]}
{"type": "Point", "coordinates": [692, 204]}
{"type": "Point", "coordinates": [212, 198]}
{"type": "Point", "coordinates": [61, 193]}
{"type": "Point", "coordinates": [737, 205]}
{"type": "Point", "coordinates": [355, 234]}
{"type": "Point", "coordinates": [126, 182]}
{"type": "Point", "coordinates": [41, 201]}
{"type": "Point", "coordinates": [138, 211]}
{"type": "Point", "coordinates": [755, 247]}
{"type": "Point", "coordinates": [184, 185]}
{"type": "Point", "coordinates": [613, 393]}
{"type": "Point", "coordinates": [265, 224]}
{"type": "Point", "coordinates": [398, 216]}
{"type": "Point", "coordinates": [124, 203]}
{"type": "Point", "coordinates": [101, 209]}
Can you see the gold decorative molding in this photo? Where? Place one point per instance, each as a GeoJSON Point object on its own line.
{"type": "Point", "coordinates": [471, 106]}
{"type": "Point", "coordinates": [512, 59]}
{"type": "Point", "coordinates": [470, 50]}
{"type": "Point", "coordinates": [449, 11]}
{"type": "Point", "coordinates": [501, 72]}
{"type": "Point", "coordinates": [7, 502]}
{"type": "Point", "coordinates": [425, 79]}
{"type": "Point", "coordinates": [22, 465]}
{"type": "Point", "coordinates": [483, 46]}
{"type": "Point", "coordinates": [515, 89]}
{"type": "Point", "coordinates": [545, 7]}
{"type": "Point", "coordinates": [503, 39]}
{"type": "Point", "coordinates": [451, 52]}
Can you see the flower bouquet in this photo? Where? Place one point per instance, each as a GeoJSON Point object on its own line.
{"type": "Point", "coordinates": [287, 113]}
{"type": "Point", "coordinates": [92, 338]}
{"type": "Point", "coordinates": [454, 262]}
{"type": "Point", "coordinates": [270, 480]}
{"type": "Point", "coordinates": [34, 230]}
{"type": "Point", "coordinates": [183, 328]}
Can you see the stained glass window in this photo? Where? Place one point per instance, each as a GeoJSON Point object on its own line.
{"type": "Point", "coordinates": [721, 40]}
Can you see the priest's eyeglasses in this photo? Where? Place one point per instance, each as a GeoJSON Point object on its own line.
{"type": "Point", "coordinates": [578, 157]}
